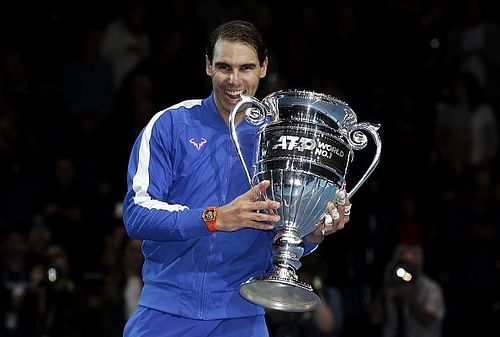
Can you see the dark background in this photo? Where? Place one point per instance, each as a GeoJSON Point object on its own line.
{"type": "Point", "coordinates": [66, 131]}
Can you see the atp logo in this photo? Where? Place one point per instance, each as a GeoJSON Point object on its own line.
{"type": "Point", "coordinates": [198, 145]}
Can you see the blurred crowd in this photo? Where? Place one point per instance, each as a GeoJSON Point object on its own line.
{"type": "Point", "coordinates": [79, 81]}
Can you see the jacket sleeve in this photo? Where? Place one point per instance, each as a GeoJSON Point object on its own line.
{"type": "Point", "coordinates": [309, 247]}
{"type": "Point", "coordinates": [146, 213]}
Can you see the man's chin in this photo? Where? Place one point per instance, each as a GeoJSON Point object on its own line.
{"type": "Point", "coordinates": [231, 103]}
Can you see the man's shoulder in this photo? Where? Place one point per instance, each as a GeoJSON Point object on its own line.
{"type": "Point", "coordinates": [186, 113]}
{"type": "Point", "coordinates": [185, 105]}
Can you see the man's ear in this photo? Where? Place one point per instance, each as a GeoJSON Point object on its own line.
{"type": "Point", "coordinates": [263, 68]}
{"type": "Point", "coordinates": [208, 66]}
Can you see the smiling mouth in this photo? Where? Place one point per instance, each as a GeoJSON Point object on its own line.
{"type": "Point", "coordinates": [235, 94]}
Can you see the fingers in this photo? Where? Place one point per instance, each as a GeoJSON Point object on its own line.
{"type": "Point", "coordinates": [259, 202]}
{"type": "Point", "coordinates": [331, 219]}
{"type": "Point", "coordinates": [258, 199]}
{"type": "Point", "coordinates": [257, 220]}
{"type": "Point", "coordinates": [252, 209]}
{"type": "Point", "coordinates": [337, 215]}
{"type": "Point", "coordinates": [258, 191]}
{"type": "Point", "coordinates": [341, 197]}
{"type": "Point", "coordinates": [344, 214]}
{"type": "Point", "coordinates": [347, 209]}
{"type": "Point", "coordinates": [265, 216]}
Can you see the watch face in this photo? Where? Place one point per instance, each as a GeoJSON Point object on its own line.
{"type": "Point", "coordinates": [209, 215]}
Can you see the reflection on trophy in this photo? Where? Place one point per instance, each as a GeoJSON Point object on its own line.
{"type": "Point", "coordinates": [306, 142]}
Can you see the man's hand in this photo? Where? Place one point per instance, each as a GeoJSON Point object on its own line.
{"type": "Point", "coordinates": [336, 216]}
{"type": "Point", "coordinates": [246, 211]}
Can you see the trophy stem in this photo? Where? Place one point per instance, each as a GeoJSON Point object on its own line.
{"type": "Point", "coordinates": [281, 289]}
{"type": "Point", "coordinates": [288, 248]}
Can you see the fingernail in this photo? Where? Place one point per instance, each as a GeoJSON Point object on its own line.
{"type": "Point", "coordinates": [335, 214]}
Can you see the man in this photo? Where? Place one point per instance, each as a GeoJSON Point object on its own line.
{"type": "Point", "coordinates": [188, 200]}
{"type": "Point", "coordinates": [410, 304]}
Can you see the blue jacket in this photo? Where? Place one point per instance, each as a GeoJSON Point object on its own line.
{"type": "Point", "coordinates": [182, 162]}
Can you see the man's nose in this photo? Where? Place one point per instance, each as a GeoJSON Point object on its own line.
{"type": "Point", "coordinates": [234, 76]}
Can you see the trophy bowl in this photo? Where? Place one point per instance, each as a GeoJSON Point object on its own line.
{"type": "Point", "coordinates": [306, 141]}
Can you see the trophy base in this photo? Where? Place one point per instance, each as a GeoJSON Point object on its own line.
{"type": "Point", "coordinates": [280, 294]}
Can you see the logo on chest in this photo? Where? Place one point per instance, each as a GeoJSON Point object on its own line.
{"type": "Point", "coordinates": [198, 144]}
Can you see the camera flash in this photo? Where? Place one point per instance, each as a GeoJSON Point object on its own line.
{"type": "Point", "coordinates": [52, 274]}
{"type": "Point", "coordinates": [402, 273]}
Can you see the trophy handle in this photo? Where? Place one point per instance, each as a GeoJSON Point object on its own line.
{"type": "Point", "coordinates": [357, 139]}
{"type": "Point", "coordinates": [254, 116]}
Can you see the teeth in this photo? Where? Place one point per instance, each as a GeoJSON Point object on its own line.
{"type": "Point", "coordinates": [235, 93]}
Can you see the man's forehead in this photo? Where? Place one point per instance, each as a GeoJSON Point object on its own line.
{"type": "Point", "coordinates": [225, 49]}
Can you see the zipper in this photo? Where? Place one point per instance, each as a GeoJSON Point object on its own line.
{"type": "Point", "coordinates": [226, 169]}
{"type": "Point", "coordinates": [213, 236]}
{"type": "Point", "coordinates": [203, 279]}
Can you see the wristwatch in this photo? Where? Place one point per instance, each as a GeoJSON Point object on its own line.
{"type": "Point", "coordinates": [209, 216]}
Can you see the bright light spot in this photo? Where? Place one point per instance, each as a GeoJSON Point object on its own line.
{"type": "Point", "coordinates": [52, 274]}
{"type": "Point", "coordinates": [402, 273]}
{"type": "Point", "coordinates": [407, 277]}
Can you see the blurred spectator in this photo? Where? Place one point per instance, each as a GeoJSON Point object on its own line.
{"type": "Point", "coordinates": [125, 41]}
{"type": "Point", "coordinates": [138, 103]}
{"type": "Point", "coordinates": [39, 239]}
{"type": "Point", "coordinates": [112, 249]}
{"type": "Point", "coordinates": [121, 288]}
{"type": "Point", "coordinates": [409, 303]}
{"type": "Point", "coordinates": [410, 226]}
{"type": "Point", "coordinates": [473, 46]}
{"type": "Point", "coordinates": [135, 105]}
{"type": "Point", "coordinates": [18, 150]}
{"type": "Point", "coordinates": [63, 206]}
{"type": "Point", "coordinates": [468, 114]}
{"type": "Point", "coordinates": [346, 34]}
{"type": "Point", "coordinates": [53, 304]}
{"type": "Point", "coordinates": [14, 279]}
{"type": "Point", "coordinates": [407, 133]}
{"type": "Point", "coordinates": [469, 262]}
{"type": "Point", "coordinates": [14, 77]}
{"type": "Point", "coordinates": [303, 34]}
{"type": "Point", "coordinates": [402, 223]}
{"type": "Point", "coordinates": [88, 80]}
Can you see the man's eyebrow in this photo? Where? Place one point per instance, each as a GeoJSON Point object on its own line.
{"type": "Point", "coordinates": [218, 64]}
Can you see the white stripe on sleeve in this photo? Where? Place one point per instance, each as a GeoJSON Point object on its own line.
{"type": "Point", "coordinates": [140, 182]}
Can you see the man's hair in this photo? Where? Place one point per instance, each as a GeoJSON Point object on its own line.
{"type": "Point", "coordinates": [238, 31]}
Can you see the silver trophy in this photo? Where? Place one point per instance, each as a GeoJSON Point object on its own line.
{"type": "Point", "coordinates": [306, 142]}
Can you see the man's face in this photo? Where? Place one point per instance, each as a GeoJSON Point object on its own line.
{"type": "Point", "coordinates": [235, 70]}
